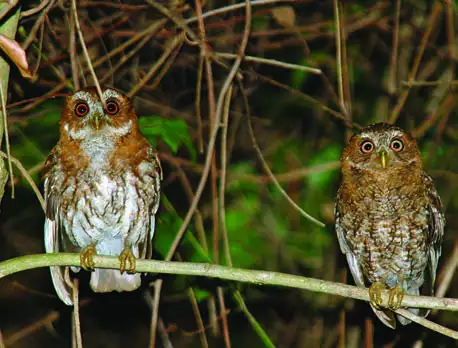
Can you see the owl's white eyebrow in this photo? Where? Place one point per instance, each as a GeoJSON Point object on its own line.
{"type": "Point", "coordinates": [110, 93]}
{"type": "Point", "coordinates": [366, 135]}
{"type": "Point", "coordinates": [397, 134]}
{"type": "Point", "coordinates": [82, 95]}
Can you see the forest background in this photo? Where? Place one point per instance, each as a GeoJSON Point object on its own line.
{"type": "Point", "coordinates": [313, 72]}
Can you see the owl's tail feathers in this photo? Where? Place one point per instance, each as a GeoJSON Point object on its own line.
{"type": "Point", "coordinates": [62, 289]}
{"type": "Point", "coordinates": [405, 321]}
{"type": "Point", "coordinates": [386, 316]}
{"type": "Point", "coordinates": [414, 291]}
{"type": "Point", "coordinates": [106, 280]}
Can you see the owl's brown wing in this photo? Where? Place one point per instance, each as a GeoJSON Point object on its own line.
{"type": "Point", "coordinates": [436, 232]}
{"type": "Point", "coordinates": [353, 263]}
{"type": "Point", "coordinates": [146, 249]}
{"type": "Point", "coordinates": [387, 317]}
{"type": "Point", "coordinates": [53, 228]}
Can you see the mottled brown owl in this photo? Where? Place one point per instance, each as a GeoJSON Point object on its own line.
{"type": "Point", "coordinates": [102, 189]}
{"type": "Point", "coordinates": [389, 220]}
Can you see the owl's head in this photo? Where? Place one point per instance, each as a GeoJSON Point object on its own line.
{"type": "Point", "coordinates": [86, 116]}
{"type": "Point", "coordinates": [381, 147]}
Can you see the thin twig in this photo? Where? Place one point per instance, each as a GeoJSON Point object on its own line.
{"type": "Point", "coordinates": [254, 323]}
{"type": "Point", "coordinates": [223, 311]}
{"type": "Point", "coordinates": [290, 176]}
{"type": "Point", "coordinates": [37, 325]}
{"type": "Point", "coordinates": [222, 213]}
{"type": "Point", "coordinates": [428, 323]}
{"type": "Point", "coordinates": [345, 69]}
{"type": "Point", "coordinates": [222, 181]}
{"type": "Point", "coordinates": [155, 312]}
{"type": "Point", "coordinates": [393, 81]}
{"type": "Point", "coordinates": [271, 62]}
{"type": "Point", "coordinates": [235, 7]}
{"type": "Point", "coordinates": [341, 328]}
{"type": "Point", "coordinates": [78, 339]}
{"type": "Point", "coordinates": [7, 139]}
{"type": "Point", "coordinates": [178, 21]}
{"type": "Point", "coordinates": [85, 51]}
{"type": "Point", "coordinates": [166, 342]}
{"type": "Point", "coordinates": [40, 51]}
{"type": "Point", "coordinates": [12, 4]}
{"type": "Point", "coordinates": [72, 52]}
{"type": "Point", "coordinates": [450, 22]}
{"type": "Point", "coordinates": [37, 9]}
{"type": "Point", "coordinates": [173, 44]}
{"type": "Point", "coordinates": [339, 57]}
{"type": "Point", "coordinates": [307, 98]}
{"type": "Point", "coordinates": [200, 323]}
{"type": "Point", "coordinates": [37, 25]}
{"type": "Point", "coordinates": [164, 69]}
{"type": "Point", "coordinates": [428, 83]}
{"type": "Point", "coordinates": [368, 333]}
{"type": "Point", "coordinates": [416, 64]}
{"type": "Point", "coordinates": [124, 59]}
{"type": "Point", "coordinates": [448, 272]}
{"type": "Point", "coordinates": [27, 176]}
{"type": "Point", "coordinates": [271, 174]}
{"type": "Point", "coordinates": [2, 342]}
{"type": "Point", "coordinates": [200, 140]}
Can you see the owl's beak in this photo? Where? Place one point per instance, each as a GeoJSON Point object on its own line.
{"type": "Point", "coordinates": [382, 155]}
{"type": "Point", "coordinates": [96, 118]}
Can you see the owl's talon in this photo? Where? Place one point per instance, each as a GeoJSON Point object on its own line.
{"type": "Point", "coordinates": [87, 257]}
{"type": "Point", "coordinates": [396, 295]}
{"type": "Point", "coordinates": [375, 294]}
{"type": "Point", "coordinates": [127, 256]}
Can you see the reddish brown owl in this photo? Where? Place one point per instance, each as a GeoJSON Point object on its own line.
{"type": "Point", "coordinates": [388, 217]}
{"type": "Point", "coordinates": [102, 189]}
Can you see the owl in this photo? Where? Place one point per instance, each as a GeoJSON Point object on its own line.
{"type": "Point", "coordinates": [102, 190]}
{"type": "Point", "coordinates": [389, 219]}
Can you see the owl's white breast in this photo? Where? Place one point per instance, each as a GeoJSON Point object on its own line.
{"type": "Point", "coordinates": [112, 207]}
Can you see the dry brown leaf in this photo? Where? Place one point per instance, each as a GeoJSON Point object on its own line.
{"type": "Point", "coordinates": [16, 53]}
{"type": "Point", "coordinates": [284, 15]}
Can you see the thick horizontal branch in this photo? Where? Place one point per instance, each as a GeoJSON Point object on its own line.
{"type": "Point", "coordinates": [215, 271]}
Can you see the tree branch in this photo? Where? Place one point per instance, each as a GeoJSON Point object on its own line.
{"type": "Point", "coordinates": [257, 277]}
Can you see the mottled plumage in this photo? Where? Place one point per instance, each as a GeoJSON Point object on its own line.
{"type": "Point", "coordinates": [102, 189]}
{"type": "Point", "coordinates": [389, 221]}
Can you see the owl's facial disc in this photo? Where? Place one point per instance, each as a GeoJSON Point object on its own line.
{"type": "Point", "coordinates": [89, 117]}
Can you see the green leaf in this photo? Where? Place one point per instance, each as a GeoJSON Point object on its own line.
{"type": "Point", "coordinates": [201, 294]}
{"type": "Point", "coordinates": [172, 132]}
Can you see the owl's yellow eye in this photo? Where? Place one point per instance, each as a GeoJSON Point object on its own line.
{"type": "Point", "coordinates": [367, 146]}
{"type": "Point", "coordinates": [81, 109]}
{"type": "Point", "coordinates": [397, 145]}
{"type": "Point", "coordinates": [112, 108]}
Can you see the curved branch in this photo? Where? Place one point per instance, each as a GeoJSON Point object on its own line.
{"type": "Point", "coordinates": [257, 277]}
{"type": "Point", "coordinates": [241, 275]}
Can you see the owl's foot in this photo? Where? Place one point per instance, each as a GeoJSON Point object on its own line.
{"type": "Point", "coordinates": [375, 294]}
{"type": "Point", "coordinates": [87, 257]}
{"type": "Point", "coordinates": [395, 298]}
{"type": "Point", "coordinates": [125, 257]}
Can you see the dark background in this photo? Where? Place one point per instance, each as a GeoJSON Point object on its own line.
{"type": "Point", "coordinates": [301, 142]}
